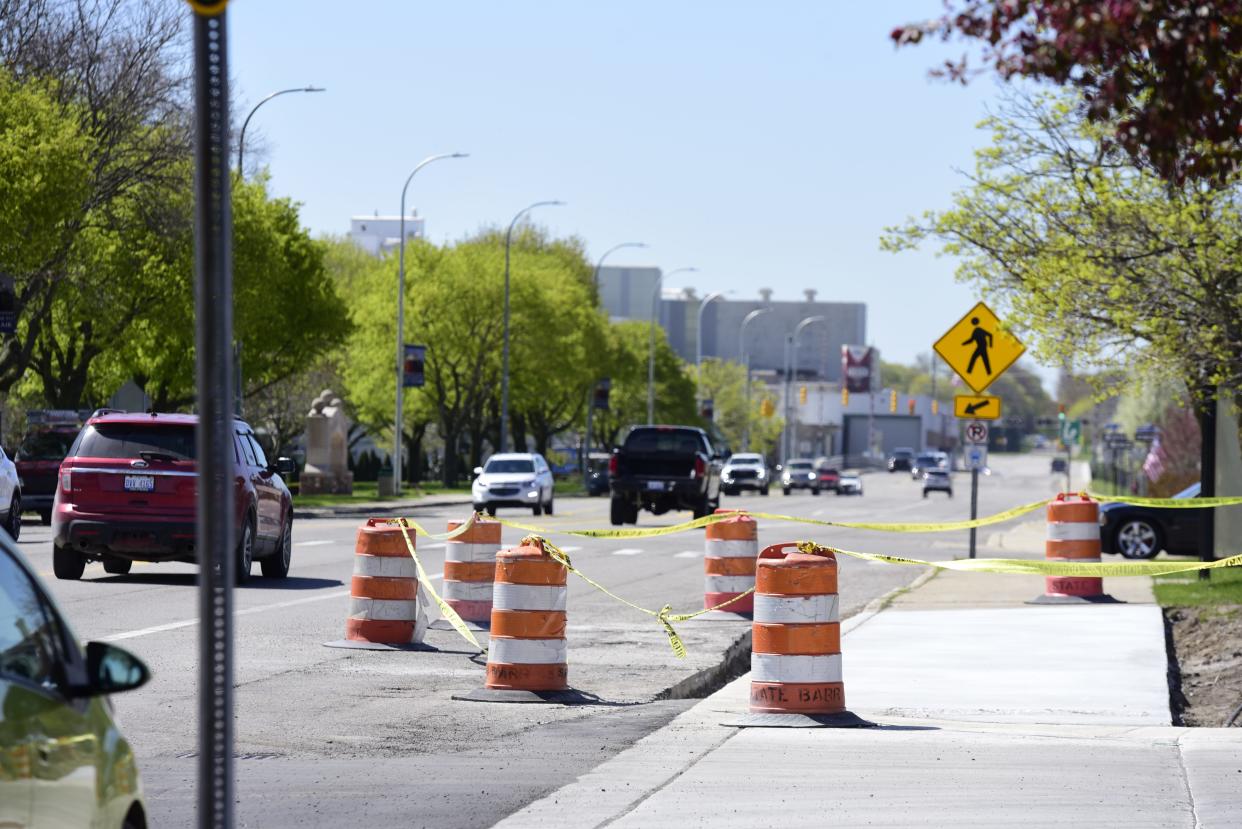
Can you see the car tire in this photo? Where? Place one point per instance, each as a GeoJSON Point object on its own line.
{"type": "Point", "coordinates": [537, 509]}
{"type": "Point", "coordinates": [785, 490]}
{"type": "Point", "coordinates": [479, 508]}
{"type": "Point", "coordinates": [14, 526]}
{"type": "Point", "coordinates": [547, 508]}
{"type": "Point", "coordinates": [1137, 538]}
{"type": "Point", "coordinates": [617, 511]}
{"type": "Point", "coordinates": [117, 566]}
{"type": "Point", "coordinates": [67, 564]}
{"type": "Point", "coordinates": [276, 566]}
{"type": "Point", "coordinates": [245, 553]}
{"type": "Point", "coordinates": [924, 493]}
{"type": "Point", "coordinates": [764, 492]}
{"type": "Point", "coordinates": [491, 511]}
{"type": "Point", "coordinates": [814, 490]}
{"type": "Point", "coordinates": [45, 518]}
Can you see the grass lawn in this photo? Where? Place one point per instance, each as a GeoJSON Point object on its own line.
{"type": "Point", "coordinates": [1188, 590]}
{"type": "Point", "coordinates": [368, 492]}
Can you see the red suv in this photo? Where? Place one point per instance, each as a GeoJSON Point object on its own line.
{"type": "Point", "coordinates": [127, 493]}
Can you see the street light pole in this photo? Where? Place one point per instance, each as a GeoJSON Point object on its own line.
{"type": "Point", "coordinates": [396, 441]}
{"type": "Point", "coordinates": [698, 347]}
{"type": "Point", "coordinates": [655, 313]}
{"type": "Point", "coordinates": [791, 364]}
{"type": "Point", "coordinates": [745, 355]}
{"type": "Point", "coordinates": [586, 441]}
{"type": "Point", "coordinates": [241, 138]}
{"type": "Point", "coordinates": [504, 370]}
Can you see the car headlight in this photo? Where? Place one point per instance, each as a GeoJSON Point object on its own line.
{"type": "Point", "coordinates": [763, 473]}
{"type": "Point", "coordinates": [810, 476]}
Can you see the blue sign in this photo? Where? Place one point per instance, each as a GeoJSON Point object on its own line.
{"type": "Point", "coordinates": [412, 366]}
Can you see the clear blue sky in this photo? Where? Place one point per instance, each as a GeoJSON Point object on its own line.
{"type": "Point", "coordinates": [766, 144]}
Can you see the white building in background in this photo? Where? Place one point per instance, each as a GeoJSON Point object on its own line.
{"type": "Point", "coordinates": [379, 234]}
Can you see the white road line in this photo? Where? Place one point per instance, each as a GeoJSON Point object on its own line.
{"type": "Point", "coordinates": [570, 549]}
{"type": "Point", "coordinates": [318, 543]}
{"type": "Point", "coordinates": [185, 623]}
{"type": "Point", "coordinates": [818, 512]}
{"type": "Point", "coordinates": [688, 554]}
{"type": "Point", "coordinates": [627, 551]}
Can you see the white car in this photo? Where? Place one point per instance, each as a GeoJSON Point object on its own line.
{"type": "Point", "coordinates": [849, 485]}
{"type": "Point", "coordinates": [745, 471]}
{"type": "Point", "coordinates": [514, 479]}
{"type": "Point", "coordinates": [10, 497]}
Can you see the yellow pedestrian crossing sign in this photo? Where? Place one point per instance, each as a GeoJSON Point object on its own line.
{"type": "Point", "coordinates": [978, 349]}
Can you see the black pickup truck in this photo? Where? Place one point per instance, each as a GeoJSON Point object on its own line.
{"type": "Point", "coordinates": [662, 468]}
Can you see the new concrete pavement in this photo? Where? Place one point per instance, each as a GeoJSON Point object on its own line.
{"type": "Point", "coordinates": [330, 737]}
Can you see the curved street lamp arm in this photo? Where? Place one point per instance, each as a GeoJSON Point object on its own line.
{"type": "Point", "coordinates": [241, 138]}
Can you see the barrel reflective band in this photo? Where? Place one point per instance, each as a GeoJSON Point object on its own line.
{"type": "Point", "coordinates": [384, 610]}
{"type": "Point", "coordinates": [387, 567]}
{"type": "Point", "coordinates": [1073, 531]}
{"type": "Point", "coordinates": [526, 651]}
{"type": "Point", "coordinates": [470, 553]}
{"type": "Point", "coordinates": [528, 596]}
{"type": "Point", "coordinates": [728, 584]}
{"type": "Point", "coordinates": [732, 549]}
{"type": "Point", "coordinates": [797, 609]}
{"type": "Point", "coordinates": [775, 667]}
{"type": "Point", "coordinates": [467, 591]}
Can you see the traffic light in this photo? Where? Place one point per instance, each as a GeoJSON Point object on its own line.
{"type": "Point", "coordinates": [599, 398]}
{"type": "Point", "coordinates": [845, 396]}
{"type": "Point", "coordinates": [910, 405]}
{"type": "Point", "coordinates": [766, 407]}
{"type": "Point", "coordinates": [802, 395]}
{"type": "Point", "coordinates": [1061, 412]}
{"type": "Point", "coordinates": [892, 401]}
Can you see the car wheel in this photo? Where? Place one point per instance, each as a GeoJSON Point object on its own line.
{"type": "Point", "coordinates": [537, 509]}
{"type": "Point", "coordinates": [117, 566]}
{"type": "Point", "coordinates": [491, 511]}
{"type": "Point", "coordinates": [1138, 538]}
{"type": "Point", "coordinates": [785, 490]}
{"type": "Point", "coordinates": [479, 508]}
{"type": "Point", "coordinates": [67, 564]}
{"type": "Point", "coordinates": [924, 493]}
{"type": "Point", "coordinates": [45, 518]}
{"type": "Point", "coordinates": [245, 553]}
{"type": "Point", "coordinates": [15, 518]}
{"type": "Point", "coordinates": [276, 566]}
{"type": "Point", "coordinates": [617, 511]}
{"type": "Point", "coordinates": [814, 490]}
{"type": "Point", "coordinates": [547, 508]}
{"type": "Point", "coordinates": [763, 491]}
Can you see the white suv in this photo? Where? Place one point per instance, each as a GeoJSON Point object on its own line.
{"type": "Point", "coordinates": [10, 497]}
{"type": "Point", "coordinates": [514, 479]}
{"type": "Point", "coordinates": [745, 472]}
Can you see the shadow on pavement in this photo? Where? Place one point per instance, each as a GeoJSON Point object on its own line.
{"type": "Point", "coordinates": [191, 580]}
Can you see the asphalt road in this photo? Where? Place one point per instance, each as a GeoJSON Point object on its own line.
{"type": "Point", "coordinates": [336, 737]}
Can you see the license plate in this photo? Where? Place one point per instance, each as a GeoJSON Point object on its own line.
{"type": "Point", "coordinates": [655, 485]}
{"type": "Point", "coordinates": [139, 483]}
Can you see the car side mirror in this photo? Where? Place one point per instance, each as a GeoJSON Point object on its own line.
{"type": "Point", "coordinates": [285, 466]}
{"type": "Point", "coordinates": [478, 470]}
{"type": "Point", "coordinates": [111, 670]}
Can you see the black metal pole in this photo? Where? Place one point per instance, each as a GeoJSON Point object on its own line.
{"type": "Point", "coordinates": [215, 540]}
{"type": "Point", "coordinates": [1207, 480]}
{"type": "Point", "coordinates": [974, 506]}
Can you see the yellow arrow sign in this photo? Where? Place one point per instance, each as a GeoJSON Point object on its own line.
{"type": "Point", "coordinates": [979, 407]}
{"type": "Point", "coordinates": [977, 349]}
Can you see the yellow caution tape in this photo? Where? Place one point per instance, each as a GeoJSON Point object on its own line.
{"type": "Point", "coordinates": [1046, 567]}
{"type": "Point", "coordinates": [445, 608]}
{"type": "Point", "coordinates": [699, 523]}
{"type": "Point", "coordinates": [1171, 503]}
{"type": "Point", "coordinates": [664, 615]}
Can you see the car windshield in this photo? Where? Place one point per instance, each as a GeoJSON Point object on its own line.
{"type": "Point", "coordinates": [130, 440]}
{"type": "Point", "coordinates": [656, 441]}
{"type": "Point", "coordinates": [937, 473]}
{"type": "Point", "coordinates": [803, 465]}
{"type": "Point", "coordinates": [1191, 491]}
{"type": "Point", "coordinates": [45, 446]}
{"type": "Point", "coordinates": [737, 460]}
{"type": "Point", "coordinates": [928, 460]}
{"type": "Point", "coordinates": [503, 465]}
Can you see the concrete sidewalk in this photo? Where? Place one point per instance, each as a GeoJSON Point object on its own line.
{"type": "Point", "coordinates": [990, 712]}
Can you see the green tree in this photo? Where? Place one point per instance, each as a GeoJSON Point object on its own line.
{"type": "Point", "coordinates": [1098, 262]}
{"type": "Point", "coordinates": [628, 348]}
{"type": "Point", "coordinates": [724, 383]}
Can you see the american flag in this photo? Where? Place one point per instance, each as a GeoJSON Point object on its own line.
{"type": "Point", "coordinates": [1153, 467]}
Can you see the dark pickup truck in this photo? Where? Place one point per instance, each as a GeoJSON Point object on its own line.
{"type": "Point", "coordinates": [662, 468]}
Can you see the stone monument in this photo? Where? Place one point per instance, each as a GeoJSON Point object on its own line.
{"type": "Point", "coordinates": [327, 448]}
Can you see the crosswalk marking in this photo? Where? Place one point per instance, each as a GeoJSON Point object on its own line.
{"type": "Point", "coordinates": [318, 543]}
{"type": "Point", "coordinates": [627, 551]}
{"type": "Point", "coordinates": [570, 549]}
{"type": "Point", "coordinates": [688, 554]}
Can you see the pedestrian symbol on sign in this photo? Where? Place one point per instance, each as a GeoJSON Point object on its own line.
{"type": "Point", "coordinates": [982, 338]}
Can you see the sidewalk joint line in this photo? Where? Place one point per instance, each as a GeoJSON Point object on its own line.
{"type": "Point", "coordinates": [1185, 775]}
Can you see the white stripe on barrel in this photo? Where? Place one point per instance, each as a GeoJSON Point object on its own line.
{"type": "Point", "coordinates": [469, 553]}
{"type": "Point", "coordinates": [467, 591]}
{"type": "Point", "coordinates": [1073, 531]}
{"type": "Point", "coordinates": [726, 548]}
{"type": "Point", "coordinates": [527, 651]}
{"type": "Point", "coordinates": [824, 607]}
{"type": "Point", "coordinates": [773, 667]}
{"type": "Point", "coordinates": [528, 597]}
{"type": "Point", "coordinates": [383, 610]}
{"type": "Point", "coordinates": [387, 567]}
{"type": "Point", "coordinates": [728, 584]}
